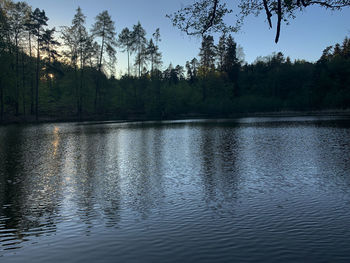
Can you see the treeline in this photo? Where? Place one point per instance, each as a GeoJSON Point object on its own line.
{"type": "Point", "coordinates": [71, 73]}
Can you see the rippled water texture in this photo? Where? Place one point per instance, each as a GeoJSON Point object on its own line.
{"type": "Point", "coordinates": [255, 189]}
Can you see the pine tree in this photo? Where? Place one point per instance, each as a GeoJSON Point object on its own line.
{"type": "Point", "coordinates": [231, 63]}
{"type": "Point", "coordinates": [155, 56]}
{"type": "Point", "coordinates": [221, 51]}
{"type": "Point", "coordinates": [17, 13]}
{"type": "Point", "coordinates": [39, 19]}
{"type": "Point", "coordinates": [125, 42]}
{"type": "Point", "coordinates": [104, 28]}
{"type": "Point", "coordinates": [139, 45]}
{"type": "Point", "coordinates": [207, 54]}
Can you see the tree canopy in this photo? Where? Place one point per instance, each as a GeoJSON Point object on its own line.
{"type": "Point", "coordinates": [205, 16]}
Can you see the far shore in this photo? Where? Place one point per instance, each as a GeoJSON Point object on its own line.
{"type": "Point", "coordinates": [30, 119]}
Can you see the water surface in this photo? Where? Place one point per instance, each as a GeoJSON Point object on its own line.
{"type": "Point", "coordinates": [252, 189]}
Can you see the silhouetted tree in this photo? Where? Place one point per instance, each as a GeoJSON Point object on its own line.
{"type": "Point", "coordinates": [221, 52]}
{"type": "Point", "coordinates": [17, 13]}
{"type": "Point", "coordinates": [79, 49]}
{"type": "Point", "coordinates": [158, 61]}
{"type": "Point", "coordinates": [207, 54]}
{"type": "Point", "coordinates": [39, 21]}
{"type": "Point", "coordinates": [104, 28]}
{"type": "Point", "coordinates": [4, 55]}
{"type": "Point", "coordinates": [231, 63]}
{"type": "Point", "coordinates": [125, 41]}
{"type": "Point", "coordinates": [204, 16]}
{"type": "Point", "coordinates": [154, 55]}
{"type": "Point", "coordinates": [49, 46]}
{"type": "Point", "coordinates": [139, 45]}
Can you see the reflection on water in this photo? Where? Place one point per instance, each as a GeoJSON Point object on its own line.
{"type": "Point", "coordinates": [253, 189]}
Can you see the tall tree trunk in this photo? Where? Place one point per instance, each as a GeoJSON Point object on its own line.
{"type": "Point", "coordinates": [37, 82]}
{"type": "Point", "coordinates": [152, 61]}
{"type": "Point", "coordinates": [31, 78]}
{"type": "Point", "coordinates": [23, 85]}
{"type": "Point", "coordinates": [76, 86]}
{"type": "Point", "coordinates": [128, 63]}
{"type": "Point", "coordinates": [81, 85]}
{"type": "Point", "coordinates": [140, 62]}
{"type": "Point", "coordinates": [97, 92]}
{"type": "Point", "coordinates": [17, 79]}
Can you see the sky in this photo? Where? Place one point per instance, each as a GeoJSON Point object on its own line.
{"type": "Point", "coordinates": [304, 38]}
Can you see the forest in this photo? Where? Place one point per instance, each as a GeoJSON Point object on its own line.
{"type": "Point", "coordinates": [69, 74]}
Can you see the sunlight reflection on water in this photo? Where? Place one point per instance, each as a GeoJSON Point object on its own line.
{"type": "Point", "coordinates": [254, 189]}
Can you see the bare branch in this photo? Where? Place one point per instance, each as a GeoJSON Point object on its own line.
{"type": "Point", "coordinates": [279, 19]}
{"type": "Point", "coordinates": [268, 13]}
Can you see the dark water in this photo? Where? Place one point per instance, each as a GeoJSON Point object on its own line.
{"type": "Point", "coordinates": [257, 189]}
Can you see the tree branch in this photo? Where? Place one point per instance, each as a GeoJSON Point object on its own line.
{"type": "Point", "coordinates": [268, 13]}
{"type": "Point", "coordinates": [326, 4]}
{"type": "Point", "coordinates": [279, 14]}
{"type": "Point", "coordinates": [213, 15]}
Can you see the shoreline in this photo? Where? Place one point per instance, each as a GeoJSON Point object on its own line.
{"type": "Point", "coordinates": [30, 119]}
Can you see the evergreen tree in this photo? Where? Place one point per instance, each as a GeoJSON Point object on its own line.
{"type": "Point", "coordinates": [104, 28]}
{"type": "Point", "coordinates": [231, 63]}
{"type": "Point", "coordinates": [17, 13]}
{"type": "Point", "coordinates": [79, 49]}
{"type": "Point", "coordinates": [4, 55]}
{"type": "Point", "coordinates": [155, 56]}
{"type": "Point", "coordinates": [221, 52]}
{"type": "Point", "coordinates": [39, 21]}
{"type": "Point", "coordinates": [207, 54]}
{"type": "Point", "coordinates": [125, 42]}
{"type": "Point", "coordinates": [50, 46]}
{"type": "Point", "coordinates": [30, 27]}
{"type": "Point", "coordinates": [139, 45]}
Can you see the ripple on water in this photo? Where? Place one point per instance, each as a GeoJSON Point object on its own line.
{"type": "Point", "coordinates": [255, 189]}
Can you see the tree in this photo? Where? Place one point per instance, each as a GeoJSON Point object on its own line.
{"type": "Point", "coordinates": [207, 54]}
{"type": "Point", "coordinates": [104, 28]}
{"type": "Point", "coordinates": [231, 63]}
{"type": "Point", "coordinates": [125, 42]}
{"type": "Point", "coordinates": [17, 13]}
{"type": "Point", "coordinates": [192, 68]}
{"type": "Point", "coordinates": [79, 49]}
{"type": "Point", "coordinates": [158, 54]}
{"type": "Point", "coordinates": [4, 55]}
{"type": "Point", "coordinates": [49, 45]}
{"type": "Point", "coordinates": [154, 55]}
{"type": "Point", "coordinates": [221, 51]}
{"type": "Point", "coordinates": [39, 21]}
{"type": "Point", "coordinates": [139, 45]}
{"type": "Point", "coordinates": [205, 16]}
{"type": "Point", "coordinates": [30, 28]}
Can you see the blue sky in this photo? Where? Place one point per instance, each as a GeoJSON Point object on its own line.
{"type": "Point", "coordinates": [305, 38]}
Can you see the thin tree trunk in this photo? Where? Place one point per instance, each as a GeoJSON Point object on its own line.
{"type": "Point", "coordinates": [97, 92]}
{"type": "Point", "coordinates": [76, 86]}
{"type": "Point", "coordinates": [31, 78]}
{"type": "Point", "coordinates": [17, 80]}
{"type": "Point", "coordinates": [139, 62]}
{"type": "Point", "coordinates": [81, 85]}
{"type": "Point", "coordinates": [37, 83]}
{"type": "Point", "coordinates": [81, 94]}
{"type": "Point", "coordinates": [128, 64]}
{"type": "Point", "coordinates": [23, 85]}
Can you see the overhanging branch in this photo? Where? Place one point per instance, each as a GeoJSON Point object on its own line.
{"type": "Point", "coordinates": [212, 17]}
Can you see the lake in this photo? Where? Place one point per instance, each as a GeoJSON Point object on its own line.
{"type": "Point", "coordinates": [242, 190]}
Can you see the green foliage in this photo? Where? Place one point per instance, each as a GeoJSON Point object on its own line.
{"type": "Point", "coordinates": [74, 85]}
